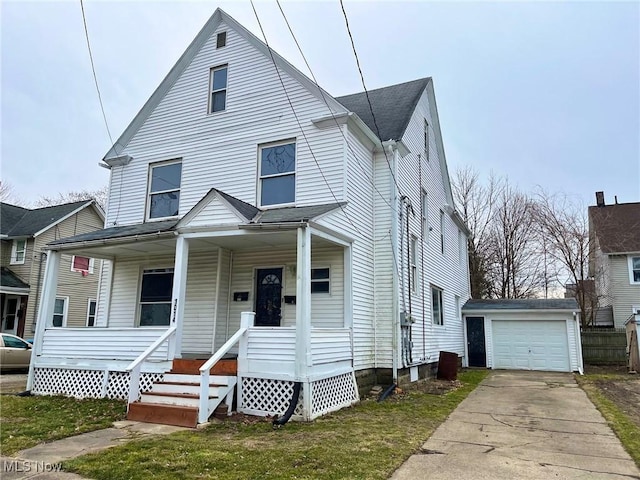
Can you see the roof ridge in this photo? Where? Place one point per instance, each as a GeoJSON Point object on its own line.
{"type": "Point", "coordinates": [362, 92]}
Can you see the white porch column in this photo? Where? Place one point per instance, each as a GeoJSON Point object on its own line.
{"type": "Point", "coordinates": [178, 294]}
{"type": "Point", "coordinates": [303, 304]}
{"type": "Point", "coordinates": [45, 310]}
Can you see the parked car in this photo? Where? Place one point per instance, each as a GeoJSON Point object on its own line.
{"type": "Point", "coordinates": [15, 353]}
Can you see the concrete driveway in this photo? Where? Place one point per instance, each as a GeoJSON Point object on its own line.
{"type": "Point", "coordinates": [522, 425]}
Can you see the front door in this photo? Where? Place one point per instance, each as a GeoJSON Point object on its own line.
{"type": "Point", "coordinates": [268, 297]}
{"type": "Point", "coordinates": [10, 314]}
{"type": "Point", "coordinates": [476, 342]}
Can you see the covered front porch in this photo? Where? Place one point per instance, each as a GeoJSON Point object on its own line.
{"type": "Point", "coordinates": [276, 297]}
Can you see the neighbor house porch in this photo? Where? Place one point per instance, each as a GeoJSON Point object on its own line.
{"type": "Point", "coordinates": [272, 302]}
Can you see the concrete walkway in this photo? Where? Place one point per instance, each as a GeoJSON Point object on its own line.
{"type": "Point", "coordinates": [522, 425]}
{"type": "Point", "coordinates": [42, 462]}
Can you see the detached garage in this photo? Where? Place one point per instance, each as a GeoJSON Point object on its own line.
{"type": "Point", "coordinates": [532, 334]}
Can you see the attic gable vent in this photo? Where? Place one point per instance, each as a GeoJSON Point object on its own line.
{"type": "Point", "coordinates": [221, 39]}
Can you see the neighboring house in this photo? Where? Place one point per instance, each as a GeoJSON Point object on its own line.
{"type": "Point", "coordinates": [24, 233]}
{"type": "Point", "coordinates": [309, 250]}
{"type": "Point", "coordinates": [614, 257]}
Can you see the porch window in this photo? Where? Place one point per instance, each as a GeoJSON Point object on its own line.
{"type": "Point", "coordinates": [82, 264]}
{"type": "Point", "coordinates": [218, 85]}
{"type": "Point", "coordinates": [164, 190]}
{"type": "Point", "coordinates": [277, 168]}
{"type": "Point", "coordinates": [18, 252]}
{"type": "Point", "coordinates": [320, 280]}
{"type": "Point", "coordinates": [634, 269]}
{"type": "Point", "coordinates": [155, 297]}
{"type": "Point", "coordinates": [60, 311]}
{"type": "Point", "coordinates": [91, 313]}
{"type": "Point", "coordinates": [436, 306]}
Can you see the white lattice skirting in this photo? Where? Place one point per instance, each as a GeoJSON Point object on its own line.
{"type": "Point", "coordinates": [87, 383]}
{"type": "Point", "coordinates": [262, 396]}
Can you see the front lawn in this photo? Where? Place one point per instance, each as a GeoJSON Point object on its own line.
{"type": "Point", "coordinates": [616, 396]}
{"type": "Point", "coordinates": [368, 441]}
{"type": "Point", "coordinates": [28, 421]}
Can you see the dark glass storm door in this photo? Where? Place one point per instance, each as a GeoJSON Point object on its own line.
{"type": "Point", "coordinates": [268, 297]}
{"type": "Point", "coordinates": [476, 342]}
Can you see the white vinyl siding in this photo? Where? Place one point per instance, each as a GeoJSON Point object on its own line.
{"type": "Point", "coordinates": [220, 150]}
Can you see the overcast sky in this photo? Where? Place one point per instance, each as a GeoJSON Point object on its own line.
{"type": "Point", "coordinates": [545, 93]}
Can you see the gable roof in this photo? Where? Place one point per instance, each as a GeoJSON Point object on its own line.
{"type": "Point", "coordinates": [617, 227]}
{"type": "Point", "coordinates": [522, 304]}
{"type": "Point", "coordinates": [33, 221]}
{"type": "Point", "coordinates": [11, 280]}
{"type": "Point", "coordinates": [392, 107]}
{"type": "Point", "coordinates": [218, 17]}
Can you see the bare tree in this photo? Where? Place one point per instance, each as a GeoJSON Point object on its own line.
{"type": "Point", "coordinates": [7, 194]}
{"type": "Point", "coordinates": [99, 195]}
{"type": "Point", "coordinates": [477, 203]}
{"type": "Point", "coordinates": [565, 226]}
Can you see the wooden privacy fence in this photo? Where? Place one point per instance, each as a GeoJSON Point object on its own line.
{"type": "Point", "coordinates": [604, 347]}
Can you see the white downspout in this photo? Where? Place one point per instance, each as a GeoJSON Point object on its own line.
{"type": "Point", "coordinates": [395, 311]}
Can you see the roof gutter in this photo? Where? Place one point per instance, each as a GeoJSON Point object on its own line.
{"type": "Point", "coordinates": [467, 311]}
{"type": "Point", "coordinates": [274, 226]}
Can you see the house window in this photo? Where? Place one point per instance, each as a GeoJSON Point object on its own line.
{"type": "Point", "coordinates": [425, 215]}
{"type": "Point", "coordinates": [426, 139]}
{"type": "Point", "coordinates": [218, 89]}
{"type": "Point", "coordinates": [18, 252]}
{"type": "Point", "coordinates": [221, 39]}
{"type": "Point", "coordinates": [164, 190]}
{"type": "Point", "coordinates": [413, 259]}
{"type": "Point", "coordinates": [82, 264]}
{"type": "Point", "coordinates": [320, 280]}
{"type": "Point", "coordinates": [60, 311]}
{"type": "Point", "coordinates": [634, 269]}
{"type": "Point", "coordinates": [91, 313]}
{"type": "Point", "coordinates": [155, 297]}
{"type": "Point", "coordinates": [441, 232]}
{"type": "Point", "coordinates": [277, 174]}
{"type": "Point", "coordinates": [436, 306]}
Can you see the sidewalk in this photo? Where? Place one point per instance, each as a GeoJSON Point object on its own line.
{"type": "Point", "coordinates": [522, 425]}
{"type": "Point", "coordinates": [42, 462]}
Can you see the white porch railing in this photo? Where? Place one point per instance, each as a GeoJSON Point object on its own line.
{"type": "Point", "coordinates": [246, 320]}
{"type": "Point", "coordinates": [135, 366]}
{"type": "Point", "coordinates": [102, 343]}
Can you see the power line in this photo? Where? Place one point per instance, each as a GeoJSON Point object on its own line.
{"type": "Point", "coordinates": [366, 92]}
{"type": "Point", "coordinates": [284, 88]}
{"type": "Point", "coordinates": [93, 69]}
{"type": "Point", "coordinates": [330, 110]}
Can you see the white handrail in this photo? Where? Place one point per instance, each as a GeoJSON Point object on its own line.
{"type": "Point", "coordinates": [246, 320]}
{"type": "Point", "coordinates": [134, 367]}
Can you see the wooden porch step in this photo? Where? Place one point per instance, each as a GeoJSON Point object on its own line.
{"type": "Point", "coordinates": [180, 399]}
{"type": "Point", "coordinates": [191, 366]}
{"type": "Point", "coordinates": [178, 415]}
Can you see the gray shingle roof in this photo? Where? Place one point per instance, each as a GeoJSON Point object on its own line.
{"type": "Point", "coordinates": [296, 214]}
{"type": "Point", "coordinates": [392, 106]}
{"type": "Point", "coordinates": [10, 279]}
{"type": "Point", "coordinates": [119, 232]}
{"type": "Point", "coordinates": [32, 221]}
{"type": "Point", "coordinates": [522, 304]}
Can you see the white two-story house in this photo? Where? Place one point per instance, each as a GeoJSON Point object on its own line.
{"type": "Point", "coordinates": [265, 238]}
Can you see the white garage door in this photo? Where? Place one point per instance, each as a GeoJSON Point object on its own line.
{"type": "Point", "coordinates": [530, 345]}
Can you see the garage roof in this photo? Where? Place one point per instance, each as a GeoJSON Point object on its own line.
{"type": "Point", "coordinates": [522, 304]}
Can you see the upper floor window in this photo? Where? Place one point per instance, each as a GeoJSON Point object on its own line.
{"type": "Point", "coordinates": [320, 280]}
{"type": "Point", "coordinates": [634, 269]}
{"type": "Point", "coordinates": [155, 297]}
{"type": "Point", "coordinates": [277, 171]}
{"type": "Point", "coordinates": [437, 311]}
{"type": "Point", "coordinates": [164, 190]}
{"type": "Point", "coordinates": [221, 39]}
{"type": "Point", "coordinates": [218, 89]}
{"type": "Point", "coordinates": [442, 226]}
{"type": "Point", "coordinates": [82, 264]}
{"type": "Point", "coordinates": [426, 139]}
{"type": "Point", "coordinates": [18, 251]}
{"type": "Point", "coordinates": [425, 215]}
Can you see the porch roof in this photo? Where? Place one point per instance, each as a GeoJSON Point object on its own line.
{"type": "Point", "coordinates": [124, 231]}
{"type": "Point", "coordinates": [11, 282]}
